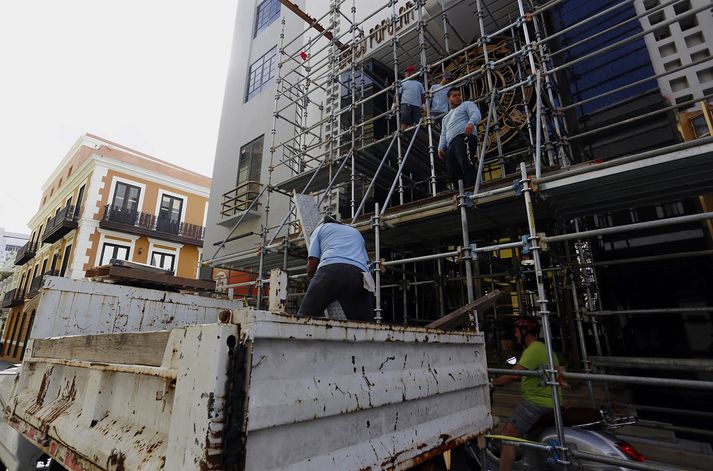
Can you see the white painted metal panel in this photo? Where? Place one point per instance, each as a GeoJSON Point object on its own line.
{"type": "Point", "coordinates": [16, 453]}
{"type": "Point", "coordinates": [347, 395]}
{"type": "Point", "coordinates": [110, 416]}
{"type": "Point", "coordinates": [266, 392]}
{"type": "Point", "coordinates": [80, 307]}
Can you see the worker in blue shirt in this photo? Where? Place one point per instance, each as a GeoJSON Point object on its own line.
{"type": "Point", "coordinates": [412, 96]}
{"type": "Point", "coordinates": [337, 266]}
{"type": "Point", "coordinates": [439, 95]}
{"type": "Point", "coordinates": [457, 143]}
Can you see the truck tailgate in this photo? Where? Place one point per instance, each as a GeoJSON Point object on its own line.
{"type": "Point", "coordinates": [260, 391]}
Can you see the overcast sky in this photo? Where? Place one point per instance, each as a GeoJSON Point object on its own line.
{"type": "Point", "coordinates": [148, 74]}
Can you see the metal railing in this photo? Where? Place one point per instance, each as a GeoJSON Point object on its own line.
{"type": "Point", "coordinates": [37, 283]}
{"type": "Point", "coordinates": [10, 299]}
{"type": "Point", "coordinates": [240, 198]}
{"type": "Point", "coordinates": [65, 218]}
{"type": "Point", "coordinates": [27, 252]}
{"type": "Point", "coordinates": [149, 224]}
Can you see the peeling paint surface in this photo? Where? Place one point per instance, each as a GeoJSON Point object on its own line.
{"type": "Point", "coordinates": [81, 307]}
{"type": "Point", "coordinates": [346, 395]}
{"type": "Point", "coordinates": [327, 394]}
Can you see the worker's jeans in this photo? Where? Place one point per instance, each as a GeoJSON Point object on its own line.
{"type": "Point", "coordinates": [458, 165]}
{"type": "Point", "coordinates": [338, 282]}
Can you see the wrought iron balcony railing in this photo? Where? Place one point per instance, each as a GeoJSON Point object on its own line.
{"type": "Point", "coordinates": [62, 223]}
{"type": "Point", "coordinates": [10, 299]}
{"type": "Point", "coordinates": [37, 283]}
{"type": "Point", "coordinates": [135, 222]}
{"type": "Point", "coordinates": [26, 253]}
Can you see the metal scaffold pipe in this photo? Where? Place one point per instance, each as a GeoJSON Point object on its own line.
{"type": "Point", "coordinates": [376, 223]}
{"type": "Point", "coordinates": [402, 162]}
{"type": "Point", "coordinates": [698, 365]}
{"type": "Point", "coordinates": [466, 243]}
{"type": "Point", "coordinates": [423, 258]}
{"type": "Point", "coordinates": [544, 314]}
{"type": "Point", "coordinates": [373, 180]}
{"type": "Point", "coordinates": [631, 38]}
{"type": "Point", "coordinates": [668, 310]}
{"type": "Point", "coordinates": [607, 378]}
{"type": "Point", "coordinates": [631, 227]}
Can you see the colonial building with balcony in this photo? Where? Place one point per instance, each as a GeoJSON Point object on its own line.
{"type": "Point", "coordinates": [10, 244]}
{"type": "Point", "coordinates": [105, 201]}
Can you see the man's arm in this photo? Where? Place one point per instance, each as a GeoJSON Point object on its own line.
{"type": "Point", "coordinates": [473, 117]}
{"type": "Point", "coordinates": [506, 379]}
{"type": "Point", "coordinates": [312, 263]}
{"type": "Point", "coordinates": [314, 252]}
{"type": "Point", "coordinates": [442, 143]}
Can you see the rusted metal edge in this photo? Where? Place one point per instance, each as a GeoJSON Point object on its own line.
{"type": "Point", "coordinates": [236, 417]}
{"type": "Point", "coordinates": [438, 450]}
{"type": "Point", "coordinates": [268, 325]}
{"type": "Point", "coordinates": [155, 371]}
{"type": "Point", "coordinates": [65, 455]}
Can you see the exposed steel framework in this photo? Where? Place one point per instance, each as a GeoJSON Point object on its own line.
{"type": "Point", "coordinates": [322, 97]}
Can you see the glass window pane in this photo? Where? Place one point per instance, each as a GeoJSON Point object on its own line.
{"type": "Point", "coordinates": [261, 71]}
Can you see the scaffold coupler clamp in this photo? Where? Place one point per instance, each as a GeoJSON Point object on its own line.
{"type": "Point", "coordinates": [542, 241]}
{"type": "Point", "coordinates": [472, 252]}
{"type": "Point", "coordinates": [378, 265]}
{"type": "Point", "coordinates": [461, 254]}
{"type": "Point", "coordinates": [556, 452]}
{"type": "Point", "coordinates": [526, 244]}
{"type": "Point", "coordinates": [548, 375]}
{"type": "Point", "coordinates": [467, 199]}
{"type": "Point", "coordinates": [376, 221]}
{"type": "Point", "coordinates": [517, 187]}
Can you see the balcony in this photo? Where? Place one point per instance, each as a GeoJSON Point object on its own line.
{"type": "Point", "coordinates": [37, 283]}
{"type": "Point", "coordinates": [62, 223]}
{"type": "Point", "coordinates": [10, 299]}
{"type": "Point", "coordinates": [238, 201]}
{"type": "Point", "coordinates": [134, 222]}
{"type": "Point", "coordinates": [26, 253]}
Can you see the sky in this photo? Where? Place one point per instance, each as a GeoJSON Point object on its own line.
{"type": "Point", "coordinates": [147, 74]}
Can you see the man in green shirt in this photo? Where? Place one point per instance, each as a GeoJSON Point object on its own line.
{"type": "Point", "coordinates": [537, 399]}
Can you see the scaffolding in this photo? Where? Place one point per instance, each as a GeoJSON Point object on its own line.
{"type": "Point", "coordinates": [337, 95]}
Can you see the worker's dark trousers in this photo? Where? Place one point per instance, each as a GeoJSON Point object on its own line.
{"type": "Point", "coordinates": [458, 165]}
{"type": "Point", "coordinates": [338, 282]}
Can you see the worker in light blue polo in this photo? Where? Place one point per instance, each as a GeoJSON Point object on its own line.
{"type": "Point", "coordinates": [457, 144]}
{"type": "Point", "coordinates": [337, 267]}
{"type": "Point", "coordinates": [439, 95]}
{"type": "Point", "coordinates": [412, 99]}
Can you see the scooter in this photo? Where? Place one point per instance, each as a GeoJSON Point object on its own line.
{"type": "Point", "coordinates": [586, 430]}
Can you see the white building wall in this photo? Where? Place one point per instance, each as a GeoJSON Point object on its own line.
{"type": "Point", "coordinates": [242, 121]}
{"type": "Point", "coordinates": [680, 43]}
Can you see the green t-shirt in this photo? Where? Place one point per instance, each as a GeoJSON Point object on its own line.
{"type": "Point", "coordinates": [533, 358]}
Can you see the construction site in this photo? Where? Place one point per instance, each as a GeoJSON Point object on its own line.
{"type": "Point", "coordinates": [591, 209]}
